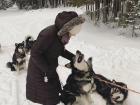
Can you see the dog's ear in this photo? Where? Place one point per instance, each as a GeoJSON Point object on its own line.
{"type": "Point", "coordinates": [113, 81]}
{"type": "Point", "coordinates": [22, 42]}
{"type": "Point", "coordinates": [68, 65]}
{"type": "Point", "coordinates": [89, 61]}
{"type": "Point", "coordinates": [16, 44]}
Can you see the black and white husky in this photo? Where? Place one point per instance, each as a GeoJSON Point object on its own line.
{"type": "Point", "coordinates": [80, 82]}
{"type": "Point", "coordinates": [114, 95]}
{"type": "Point", "coordinates": [18, 59]}
{"type": "Point", "coordinates": [29, 41]}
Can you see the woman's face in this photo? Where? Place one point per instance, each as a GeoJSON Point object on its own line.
{"type": "Point", "coordinates": [76, 29]}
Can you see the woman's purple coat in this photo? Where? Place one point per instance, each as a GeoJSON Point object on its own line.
{"type": "Point", "coordinates": [44, 60]}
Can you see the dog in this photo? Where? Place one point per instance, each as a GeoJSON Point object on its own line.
{"type": "Point", "coordinates": [29, 41]}
{"type": "Point", "coordinates": [18, 59]}
{"type": "Point", "coordinates": [80, 82]}
{"type": "Point", "coordinates": [114, 95]}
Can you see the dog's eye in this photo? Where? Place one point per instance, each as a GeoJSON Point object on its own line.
{"type": "Point", "coordinates": [116, 90]}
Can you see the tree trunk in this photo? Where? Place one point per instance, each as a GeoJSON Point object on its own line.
{"type": "Point", "coordinates": [105, 18]}
{"type": "Point", "coordinates": [116, 7]}
{"type": "Point", "coordinates": [97, 9]}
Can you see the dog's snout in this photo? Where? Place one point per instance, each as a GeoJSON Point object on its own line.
{"type": "Point", "coordinates": [78, 52]}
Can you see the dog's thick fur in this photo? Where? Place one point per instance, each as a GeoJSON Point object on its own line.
{"type": "Point", "coordinates": [79, 84]}
{"type": "Point", "coordinates": [29, 41]}
{"type": "Point", "coordinates": [18, 59]}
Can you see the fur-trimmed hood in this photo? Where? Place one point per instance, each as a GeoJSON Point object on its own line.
{"type": "Point", "coordinates": [65, 21]}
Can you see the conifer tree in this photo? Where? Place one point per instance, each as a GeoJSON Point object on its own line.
{"type": "Point", "coordinates": [131, 18]}
{"type": "Point", "coordinates": [4, 4]}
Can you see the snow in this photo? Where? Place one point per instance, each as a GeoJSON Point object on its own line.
{"type": "Point", "coordinates": [114, 56]}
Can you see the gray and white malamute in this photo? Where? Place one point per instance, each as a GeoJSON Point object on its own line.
{"type": "Point", "coordinates": [18, 59]}
{"type": "Point", "coordinates": [80, 82]}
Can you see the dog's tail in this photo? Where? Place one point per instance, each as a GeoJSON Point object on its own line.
{"type": "Point", "coordinates": [10, 65]}
{"type": "Point", "coordinates": [29, 37]}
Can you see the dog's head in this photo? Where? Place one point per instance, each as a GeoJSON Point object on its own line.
{"type": "Point", "coordinates": [79, 63]}
{"type": "Point", "coordinates": [19, 47]}
{"type": "Point", "coordinates": [118, 94]}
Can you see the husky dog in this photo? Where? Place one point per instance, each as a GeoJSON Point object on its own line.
{"type": "Point", "coordinates": [114, 95]}
{"type": "Point", "coordinates": [80, 83]}
{"type": "Point", "coordinates": [19, 58]}
{"type": "Point", "coordinates": [29, 41]}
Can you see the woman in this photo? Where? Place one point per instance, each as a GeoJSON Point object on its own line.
{"type": "Point", "coordinates": [43, 85]}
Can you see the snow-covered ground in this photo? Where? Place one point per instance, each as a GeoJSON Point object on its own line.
{"type": "Point", "coordinates": [114, 56]}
